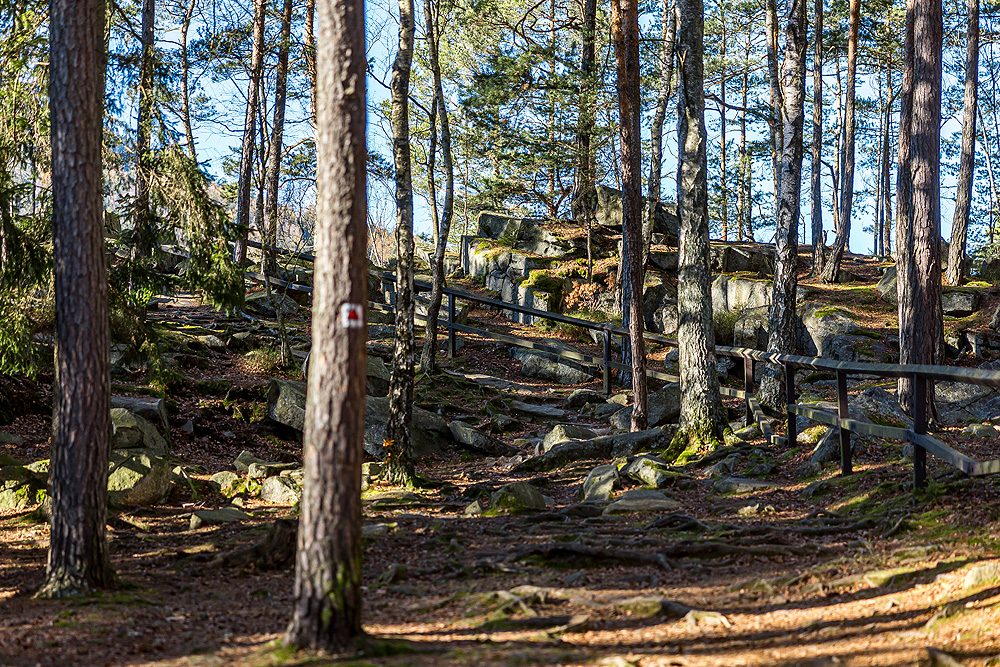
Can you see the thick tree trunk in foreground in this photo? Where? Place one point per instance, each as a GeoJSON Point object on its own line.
{"type": "Point", "coordinates": [81, 429]}
{"type": "Point", "coordinates": [816, 182]}
{"type": "Point", "coordinates": [963, 199]}
{"type": "Point", "coordinates": [701, 408]}
{"type": "Point", "coordinates": [918, 228]}
{"type": "Point", "coordinates": [399, 464]}
{"type": "Point", "coordinates": [327, 595]}
{"type": "Point", "coordinates": [249, 134]}
{"type": "Point", "coordinates": [582, 204]}
{"type": "Point", "coordinates": [429, 353]}
{"type": "Point", "coordinates": [145, 234]}
{"type": "Point", "coordinates": [625, 34]}
{"type": "Point", "coordinates": [781, 316]}
{"type": "Point", "coordinates": [656, 131]}
{"type": "Point", "coordinates": [832, 267]}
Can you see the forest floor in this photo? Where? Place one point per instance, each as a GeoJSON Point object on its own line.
{"type": "Point", "coordinates": [816, 570]}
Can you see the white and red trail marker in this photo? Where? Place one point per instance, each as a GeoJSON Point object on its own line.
{"type": "Point", "coordinates": [352, 315]}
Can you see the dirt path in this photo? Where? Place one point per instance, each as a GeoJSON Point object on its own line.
{"type": "Point", "coordinates": [796, 571]}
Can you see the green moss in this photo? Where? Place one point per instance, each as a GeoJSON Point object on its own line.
{"type": "Point", "coordinates": [827, 311]}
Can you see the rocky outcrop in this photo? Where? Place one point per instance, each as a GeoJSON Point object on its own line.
{"type": "Point", "coordinates": [259, 304]}
{"type": "Point", "coordinates": [663, 406]}
{"type": "Point", "coordinates": [609, 214]}
{"type": "Point", "coordinates": [833, 333]}
{"type": "Point", "coordinates": [959, 302]}
{"type": "Point", "coordinates": [959, 403]}
{"type": "Point", "coordinates": [659, 308]}
{"type": "Point", "coordinates": [138, 477]}
{"type": "Point", "coordinates": [741, 258]}
{"type": "Point", "coordinates": [547, 366]}
{"type": "Point", "coordinates": [130, 431]}
{"type": "Point", "coordinates": [525, 234]}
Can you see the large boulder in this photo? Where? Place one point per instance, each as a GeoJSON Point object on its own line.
{"type": "Point", "coordinates": [524, 234]}
{"type": "Point", "coordinates": [663, 406]}
{"type": "Point", "coordinates": [609, 213]}
{"type": "Point", "coordinates": [736, 294]}
{"type": "Point", "coordinates": [746, 258]}
{"type": "Point", "coordinates": [832, 332]}
{"type": "Point", "coordinates": [959, 402]}
{"type": "Point", "coordinates": [428, 431]}
{"type": "Point", "coordinates": [750, 329]}
{"type": "Point", "coordinates": [286, 402]}
{"type": "Point", "coordinates": [959, 302]}
{"type": "Point", "coordinates": [260, 304]}
{"type": "Point", "coordinates": [138, 477]}
{"type": "Point", "coordinates": [659, 307]}
{"type": "Point", "coordinates": [153, 410]}
{"type": "Point", "coordinates": [549, 367]}
{"type": "Point", "coordinates": [130, 431]}
{"type": "Point", "coordinates": [476, 440]}
{"type": "Point", "coordinates": [518, 497]}
{"type": "Point", "coordinates": [886, 286]}
{"type": "Point", "coordinates": [20, 487]}
{"type": "Point", "coordinates": [378, 377]}
{"type": "Point", "coordinates": [565, 433]}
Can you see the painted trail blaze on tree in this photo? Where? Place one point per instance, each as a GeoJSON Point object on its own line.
{"type": "Point", "coordinates": [327, 595]}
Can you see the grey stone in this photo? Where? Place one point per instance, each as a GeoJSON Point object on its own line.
{"type": "Point", "coordinates": [260, 304]}
{"type": "Point", "coordinates": [475, 439]}
{"type": "Point", "coordinates": [982, 573]}
{"type": "Point", "coordinates": [663, 406]}
{"type": "Point", "coordinates": [294, 474]}
{"type": "Point", "coordinates": [609, 213]}
{"type": "Point", "coordinates": [524, 234]}
{"type": "Point", "coordinates": [518, 496]}
{"type": "Point", "coordinates": [286, 402]}
{"type": "Point", "coordinates": [201, 518]}
{"type": "Point", "coordinates": [212, 342]}
{"type": "Point", "coordinates": [751, 432]}
{"type": "Point", "coordinates": [580, 397]}
{"type": "Point", "coordinates": [603, 447]}
{"type": "Point", "coordinates": [153, 410]}
{"type": "Point", "coordinates": [547, 366]}
{"type": "Point", "coordinates": [138, 477]}
{"type": "Point", "coordinates": [599, 484]}
{"type": "Point", "coordinates": [649, 471]}
{"type": "Point", "coordinates": [428, 431]}
{"type": "Point", "coordinates": [739, 485]}
{"type": "Point", "coordinates": [534, 411]}
{"type": "Point", "coordinates": [648, 606]}
{"type": "Point", "coordinates": [10, 439]}
{"type": "Point", "coordinates": [225, 482]}
{"type": "Point", "coordinates": [564, 433]}
{"type": "Point", "coordinates": [647, 502]}
{"type": "Point", "coordinates": [130, 431]}
{"type": "Point", "coordinates": [660, 308]}
{"type": "Point", "coordinates": [20, 487]}
{"type": "Point", "coordinates": [980, 431]}
{"type": "Point", "coordinates": [959, 302]}
{"type": "Point", "coordinates": [280, 491]}
{"type": "Point", "coordinates": [264, 470]}
{"type": "Point", "coordinates": [243, 461]}
{"type": "Point", "coordinates": [378, 377]}
{"type": "Point", "coordinates": [750, 329]}
{"type": "Point", "coordinates": [604, 411]}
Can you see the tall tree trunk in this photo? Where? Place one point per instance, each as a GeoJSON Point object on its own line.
{"type": "Point", "coordinates": [399, 461]}
{"type": "Point", "coordinates": [249, 134]}
{"type": "Point", "coordinates": [582, 204]}
{"type": "Point", "coordinates": [81, 425]}
{"type": "Point", "coordinates": [327, 597]}
{"type": "Point", "coordinates": [781, 315]}
{"type": "Point", "coordinates": [816, 182]}
{"type": "Point", "coordinates": [669, 34]}
{"type": "Point", "coordinates": [989, 172]}
{"type": "Point", "coordinates": [918, 228]}
{"type": "Point", "coordinates": [625, 35]}
{"type": "Point", "coordinates": [886, 168]}
{"type": "Point", "coordinates": [743, 205]}
{"type": "Point", "coordinates": [309, 51]}
{"type": "Point", "coordinates": [701, 406]}
{"type": "Point", "coordinates": [270, 235]}
{"type": "Point", "coordinates": [145, 234]}
{"type": "Point", "coordinates": [963, 199]}
{"type": "Point", "coordinates": [428, 354]}
{"type": "Point", "coordinates": [724, 189]}
{"type": "Point", "coordinates": [832, 267]}
{"type": "Point", "coordinates": [777, 141]}
{"type": "Point", "coordinates": [185, 84]}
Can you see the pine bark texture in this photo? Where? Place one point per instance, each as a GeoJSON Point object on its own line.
{"type": "Point", "coordinates": [243, 188]}
{"type": "Point", "coordinates": [429, 353]}
{"type": "Point", "coordinates": [270, 235]}
{"type": "Point", "coordinates": [145, 234]}
{"type": "Point", "coordinates": [625, 34]}
{"type": "Point", "coordinates": [583, 201]}
{"type": "Point", "coordinates": [963, 198]}
{"type": "Point", "coordinates": [774, 81]}
{"type": "Point", "coordinates": [816, 182]}
{"type": "Point", "coordinates": [701, 408]}
{"type": "Point", "coordinates": [669, 35]}
{"type": "Point", "coordinates": [781, 315]}
{"type": "Point", "coordinates": [185, 84]}
{"type": "Point", "coordinates": [832, 267]}
{"type": "Point", "coordinates": [399, 463]}
{"type": "Point", "coordinates": [81, 430]}
{"type": "Point", "coordinates": [918, 227]}
{"type": "Point", "coordinates": [328, 592]}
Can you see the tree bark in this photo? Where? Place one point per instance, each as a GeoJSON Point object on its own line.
{"type": "Point", "coordinates": [429, 353]}
{"type": "Point", "coordinates": [625, 35]}
{"type": "Point", "coordinates": [249, 134]}
{"type": "Point", "coordinates": [185, 85]}
{"type": "Point", "coordinates": [326, 612]}
{"type": "Point", "coordinates": [145, 234]}
{"type": "Point", "coordinates": [777, 141]}
{"type": "Point", "coordinates": [832, 267]}
{"type": "Point", "coordinates": [309, 51]}
{"type": "Point", "coordinates": [918, 228]}
{"type": "Point", "coordinates": [963, 199]}
{"type": "Point", "coordinates": [81, 427]}
{"type": "Point", "coordinates": [724, 189]}
{"type": "Point", "coordinates": [270, 235]}
{"type": "Point", "coordinates": [669, 35]}
{"type": "Point", "coordinates": [399, 463]}
{"type": "Point", "coordinates": [701, 407]}
{"type": "Point", "coordinates": [816, 182]}
{"type": "Point", "coordinates": [582, 204]}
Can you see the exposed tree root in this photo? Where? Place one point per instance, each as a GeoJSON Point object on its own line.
{"type": "Point", "coordinates": [276, 552]}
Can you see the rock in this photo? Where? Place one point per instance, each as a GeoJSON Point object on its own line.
{"type": "Point", "coordinates": [201, 518]}
{"type": "Point", "coordinates": [649, 471]}
{"type": "Point", "coordinates": [886, 286]}
{"type": "Point", "coordinates": [280, 491]}
{"type": "Point", "coordinates": [20, 488]}
{"type": "Point", "coordinates": [212, 342]}
{"type": "Point", "coordinates": [151, 409]}
{"type": "Point", "coordinates": [9, 439]}
{"type": "Point", "coordinates": [580, 397]}
{"type": "Point", "coordinates": [295, 474]}
{"type": "Point", "coordinates": [225, 482]}
{"type": "Point", "coordinates": [660, 309]}
{"type": "Point", "coordinates": [549, 367]}
{"type": "Point", "coordinates": [260, 304]}
{"type": "Point", "coordinates": [959, 302]}
{"type": "Point", "coordinates": [959, 402]}
{"type": "Point", "coordinates": [130, 431]}
{"type": "Point", "coordinates": [243, 341]}
{"type": "Point", "coordinates": [378, 377]}
{"type": "Point", "coordinates": [286, 402]}
{"type": "Point", "coordinates": [473, 509]}
{"type": "Point", "coordinates": [243, 461]}
{"type": "Point", "coordinates": [475, 439]}
{"type": "Point", "coordinates": [731, 294]}
{"type": "Point", "coordinates": [524, 234]}
{"type": "Point", "coordinates": [990, 271]}
{"type": "Point", "coordinates": [811, 435]}
{"type": "Point", "coordinates": [564, 433]}
{"type": "Point", "coordinates": [813, 489]}
{"type": "Point", "coordinates": [599, 484]}
{"type": "Point", "coordinates": [832, 332]}
{"type": "Point", "coordinates": [938, 658]}
{"type": "Point", "coordinates": [642, 500]}
{"type": "Point", "coordinates": [663, 405]}
{"type": "Point", "coordinates": [586, 510]}
{"type": "Point", "coordinates": [518, 496]}
{"type": "Point", "coordinates": [750, 329]}
{"type": "Point", "coordinates": [540, 412]}
{"type": "Point", "coordinates": [747, 433]}
{"type": "Point", "coordinates": [138, 477]}
{"type": "Point", "coordinates": [648, 606]}
{"type": "Point", "coordinates": [827, 450]}
{"type": "Point", "coordinates": [980, 431]}
{"type": "Point", "coordinates": [987, 572]}
{"type": "Point", "coordinates": [737, 485]}
{"type": "Point", "coordinates": [603, 447]}
{"type": "Point", "coordinates": [428, 431]}
{"type": "Point", "coordinates": [257, 470]}
{"type": "Point", "coordinates": [609, 213]}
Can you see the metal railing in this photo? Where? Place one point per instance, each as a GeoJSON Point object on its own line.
{"type": "Point", "coordinates": [920, 374]}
